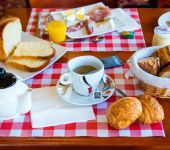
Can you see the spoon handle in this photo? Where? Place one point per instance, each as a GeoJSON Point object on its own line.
{"type": "Point", "coordinates": [120, 92]}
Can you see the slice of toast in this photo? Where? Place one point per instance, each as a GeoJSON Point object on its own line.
{"type": "Point", "coordinates": [27, 64]}
{"type": "Point", "coordinates": [10, 35]}
{"type": "Point", "coordinates": [40, 50]}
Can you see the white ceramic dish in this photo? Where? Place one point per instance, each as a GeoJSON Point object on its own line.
{"type": "Point", "coordinates": [67, 94]}
{"type": "Point", "coordinates": [163, 19]}
{"type": "Point", "coordinates": [24, 75]}
{"type": "Point", "coordinates": [106, 28]}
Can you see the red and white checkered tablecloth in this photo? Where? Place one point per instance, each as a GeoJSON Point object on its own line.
{"type": "Point", "coordinates": [112, 41]}
{"type": "Point", "coordinates": [21, 126]}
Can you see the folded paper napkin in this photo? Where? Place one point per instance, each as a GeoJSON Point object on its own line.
{"type": "Point", "coordinates": [129, 22]}
{"type": "Point", "coordinates": [49, 110]}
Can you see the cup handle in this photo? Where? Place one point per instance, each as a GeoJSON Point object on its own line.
{"type": "Point", "coordinates": [65, 79]}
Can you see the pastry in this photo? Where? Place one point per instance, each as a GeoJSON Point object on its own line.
{"type": "Point", "coordinates": [163, 54]}
{"type": "Point", "coordinates": [124, 112]}
{"type": "Point", "coordinates": [165, 72]}
{"type": "Point", "coordinates": [152, 110]}
{"type": "Point", "coordinates": [150, 65]}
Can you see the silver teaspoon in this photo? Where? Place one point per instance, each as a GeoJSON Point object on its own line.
{"type": "Point", "coordinates": [105, 81]}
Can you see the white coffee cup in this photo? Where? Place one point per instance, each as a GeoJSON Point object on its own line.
{"type": "Point", "coordinates": [83, 84]}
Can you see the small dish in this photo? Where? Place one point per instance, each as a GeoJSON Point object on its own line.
{"type": "Point", "coordinates": [162, 21]}
{"type": "Point", "coordinates": [105, 90]}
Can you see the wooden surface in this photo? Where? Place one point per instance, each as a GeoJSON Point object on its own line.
{"type": "Point", "coordinates": [68, 3]}
{"type": "Point", "coordinates": [164, 3]}
{"type": "Point", "coordinates": [148, 19]}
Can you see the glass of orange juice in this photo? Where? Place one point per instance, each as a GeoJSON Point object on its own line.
{"type": "Point", "coordinates": [57, 31]}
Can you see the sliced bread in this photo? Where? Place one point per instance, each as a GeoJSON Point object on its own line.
{"type": "Point", "coordinates": [10, 35]}
{"type": "Point", "coordinates": [27, 64]}
{"type": "Point", "coordinates": [42, 50]}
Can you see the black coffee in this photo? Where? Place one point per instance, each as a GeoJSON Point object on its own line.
{"type": "Point", "coordinates": [85, 69]}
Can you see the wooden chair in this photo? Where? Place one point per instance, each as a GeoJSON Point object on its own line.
{"type": "Point", "coordinates": [67, 3]}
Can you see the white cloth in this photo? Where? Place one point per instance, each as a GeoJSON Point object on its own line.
{"type": "Point", "coordinates": [129, 22]}
{"type": "Point", "coordinates": [142, 75]}
{"type": "Point", "coordinates": [49, 110]}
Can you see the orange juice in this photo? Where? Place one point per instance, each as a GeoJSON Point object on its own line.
{"type": "Point", "coordinates": [57, 31]}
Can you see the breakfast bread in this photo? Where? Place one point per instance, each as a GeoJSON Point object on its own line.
{"type": "Point", "coordinates": [40, 50]}
{"type": "Point", "coordinates": [152, 110]}
{"type": "Point", "coordinates": [163, 54]}
{"type": "Point", "coordinates": [165, 72]}
{"type": "Point", "coordinates": [150, 65]}
{"type": "Point", "coordinates": [10, 35]}
{"type": "Point", "coordinates": [27, 64]}
{"type": "Point", "coordinates": [124, 112]}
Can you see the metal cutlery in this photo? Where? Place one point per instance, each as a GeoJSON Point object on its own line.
{"type": "Point", "coordinates": [113, 85]}
{"type": "Point", "coordinates": [38, 30]}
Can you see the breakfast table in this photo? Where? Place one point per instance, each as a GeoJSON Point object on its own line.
{"type": "Point", "coordinates": [148, 18]}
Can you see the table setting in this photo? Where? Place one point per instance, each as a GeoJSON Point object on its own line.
{"type": "Point", "coordinates": [80, 98]}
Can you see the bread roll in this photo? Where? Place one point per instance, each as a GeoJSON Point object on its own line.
{"type": "Point", "coordinates": [124, 112]}
{"type": "Point", "coordinates": [152, 110]}
{"type": "Point", "coordinates": [10, 35]}
{"type": "Point", "coordinates": [150, 65]}
{"type": "Point", "coordinates": [165, 72]}
{"type": "Point", "coordinates": [163, 54]}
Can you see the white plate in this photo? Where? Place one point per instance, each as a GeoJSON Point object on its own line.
{"type": "Point", "coordinates": [122, 22]}
{"type": "Point", "coordinates": [106, 28]}
{"type": "Point", "coordinates": [163, 19]}
{"type": "Point", "coordinates": [60, 51]}
{"type": "Point", "coordinates": [67, 94]}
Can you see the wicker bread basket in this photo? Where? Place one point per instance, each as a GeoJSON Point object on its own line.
{"type": "Point", "coordinates": [153, 85]}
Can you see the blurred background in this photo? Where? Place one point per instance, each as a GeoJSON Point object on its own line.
{"type": "Point", "coordinates": [7, 4]}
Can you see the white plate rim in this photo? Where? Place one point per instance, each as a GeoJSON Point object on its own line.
{"type": "Point", "coordinates": [86, 104]}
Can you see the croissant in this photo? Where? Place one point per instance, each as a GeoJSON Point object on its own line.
{"type": "Point", "coordinates": [163, 54]}
{"type": "Point", "coordinates": [165, 72]}
{"type": "Point", "coordinates": [152, 110]}
{"type": "Point", "coordinates": [150, 65]}
{"type": "Point", "coordinates": [124, 112]}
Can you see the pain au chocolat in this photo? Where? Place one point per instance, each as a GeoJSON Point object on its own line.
{"type": "Point", "coordinates": [124, 112]}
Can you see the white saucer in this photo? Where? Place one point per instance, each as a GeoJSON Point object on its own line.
{"type": "Point", "coordinates": [67, 93]}
{"type": "Point", "coordinates": [163, 19]}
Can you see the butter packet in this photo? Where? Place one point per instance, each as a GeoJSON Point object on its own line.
{"type": "Point", "coordinates": [110, 62]}
{"type": "Point", "coordinates": [127, 34]}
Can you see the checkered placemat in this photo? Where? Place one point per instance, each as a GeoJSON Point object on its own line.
{"type": "Point", "coordinates": [21, 126]}
{"type": "Point", "coordinates": [112, 41]}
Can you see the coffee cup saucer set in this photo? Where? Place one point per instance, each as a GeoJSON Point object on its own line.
{"type": "Point", "coordinates": [88, 88]}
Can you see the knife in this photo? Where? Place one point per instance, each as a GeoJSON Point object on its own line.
{"type": "Point", "coordinates": [38, 30]}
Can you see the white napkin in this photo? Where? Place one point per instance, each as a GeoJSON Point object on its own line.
{"type": "Point", "coordinates": [49, 110]}
{"type": "Point", "coordinates": [130, 23]}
